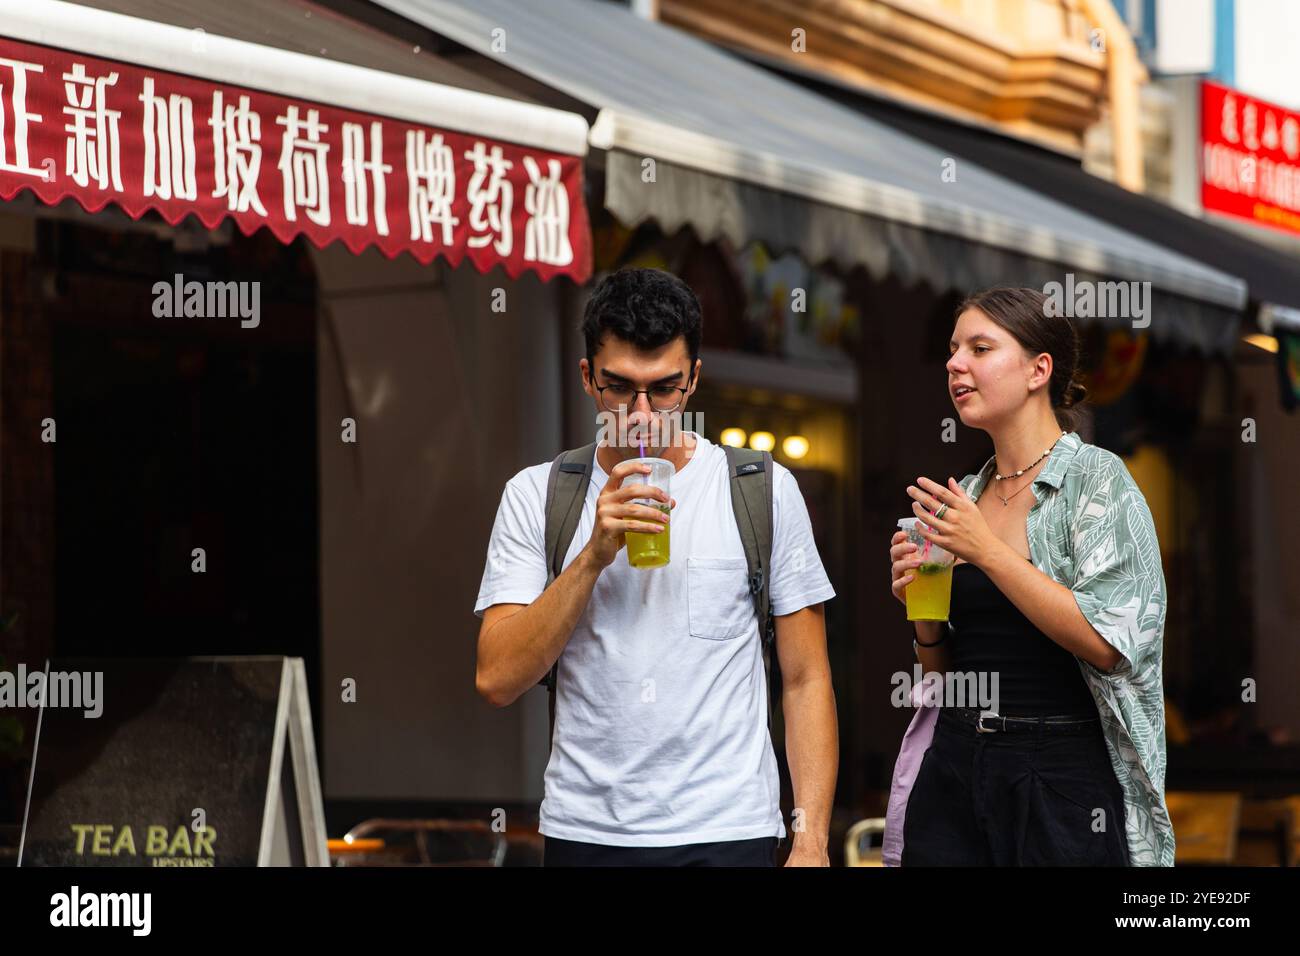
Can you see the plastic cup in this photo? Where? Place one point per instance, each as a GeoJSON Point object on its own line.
{"type": "Point", "coordinates": [929, 595]}
{"type": "Point", "coordinates": [650, 550]}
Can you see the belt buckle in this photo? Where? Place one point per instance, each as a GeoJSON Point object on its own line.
{"type": "Point", "coordinates": [979, 722]}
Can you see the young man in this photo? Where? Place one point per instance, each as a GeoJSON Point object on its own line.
{"type": "Point", "coordinates": [661, 753]}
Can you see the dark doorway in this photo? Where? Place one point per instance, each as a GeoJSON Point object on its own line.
{"type": "Point", "coordinates": [182, 433]}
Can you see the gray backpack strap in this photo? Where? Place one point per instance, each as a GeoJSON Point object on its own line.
{"type": "Point", "coordinates": [751, 499]}
{"type": "Point", "coordinates": [566, 490]}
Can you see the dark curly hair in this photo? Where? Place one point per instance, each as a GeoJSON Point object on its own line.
{"type": "Point", "coordinates": [647, 307]}
{"type": "Point", "coordinates": [1023, 313]}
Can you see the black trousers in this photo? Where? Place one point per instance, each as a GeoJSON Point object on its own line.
{"type": "Point", "coordinates": [1014, 799]}
{"type": "Point", "coordinates": [759, 852]}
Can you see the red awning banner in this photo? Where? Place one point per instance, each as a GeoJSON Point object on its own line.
{"type": "Point", "coordinates": [102, 131]}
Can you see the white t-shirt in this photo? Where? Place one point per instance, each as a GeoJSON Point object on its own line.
{"type": "Point", "coordinates": [661, 714]}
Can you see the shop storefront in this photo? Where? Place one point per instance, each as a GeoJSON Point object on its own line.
{"type": "Point", "coordinates": [1201, 415]}
{"type": "Point", "coordinates": [716, 167]}
{"type": "Point", "coordinates": [253, 302]}
{"type": "Point", "coordinates": [827, 247]}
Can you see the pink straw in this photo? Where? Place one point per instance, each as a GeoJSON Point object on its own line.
{"type": "Point", "coordinates": [926, 553]}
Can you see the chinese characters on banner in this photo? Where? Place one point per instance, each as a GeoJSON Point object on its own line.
{"type": "Point", "coordinates": [101, 131]}
{"type": "Point", "coordinates": [1250, 158]}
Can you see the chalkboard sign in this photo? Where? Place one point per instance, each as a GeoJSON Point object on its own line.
{"type": "Point", "coordinates": [191, 762]}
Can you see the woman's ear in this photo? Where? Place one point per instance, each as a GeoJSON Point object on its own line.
{"type": "Point", "coordinates": [1042, 373]}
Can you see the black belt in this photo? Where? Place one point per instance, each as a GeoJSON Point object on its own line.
{"type": "Point", "coordinates": [987, 722]}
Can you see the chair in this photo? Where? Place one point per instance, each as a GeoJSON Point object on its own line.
{"type": "Point", "coordinates": [1205, 826]}
{"type": "Point", "coordinates": [423, 843]}
{"type": "Point", "coordinates": [857, 843]}
{"type": "Point", "coordinates": [1267, 834]}
{"type": "Point", "coordinates": [1294, 804]}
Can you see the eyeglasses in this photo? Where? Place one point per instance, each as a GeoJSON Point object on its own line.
{"type": "Point", "coordinates": [662, 398]}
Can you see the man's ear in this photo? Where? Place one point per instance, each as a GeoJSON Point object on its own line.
{"type": "Point", "coordinates": [695, 375]}
{"type": "Point", "coordinates": [584, 369]}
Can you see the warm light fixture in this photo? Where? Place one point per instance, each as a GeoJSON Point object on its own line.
{"type": "Point", "coordinates": [762, 441]}
{"type": "Point", "coordinates": [796, 446]}
{"type": "Point", "coordinates": [735, 437]}
{"type": "Point", "coordinates": [1266, 342]}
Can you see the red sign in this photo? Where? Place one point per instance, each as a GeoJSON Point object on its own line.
{"type": "Point", "coordinates": [1250, 158]}
{"type": "Point", "coordinates": [102, 131]}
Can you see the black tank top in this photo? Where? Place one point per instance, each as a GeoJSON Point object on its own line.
{"type": "Point", "coordinates": [1036, 676]}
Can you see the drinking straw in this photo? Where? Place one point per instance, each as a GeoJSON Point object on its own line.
{"type": "Point", "coordinates": [926, 552]}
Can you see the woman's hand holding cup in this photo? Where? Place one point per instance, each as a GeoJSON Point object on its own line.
{"type": "Point", "coordinates": [905, 560]}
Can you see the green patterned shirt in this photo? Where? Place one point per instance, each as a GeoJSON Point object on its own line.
{"type": "Point", "coordinates": [1090, 529]}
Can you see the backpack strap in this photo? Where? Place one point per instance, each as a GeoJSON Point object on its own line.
{"type": "Point", "coordinates": [751, 477]}
{"type": "Point", "coordinates": [566, 490]}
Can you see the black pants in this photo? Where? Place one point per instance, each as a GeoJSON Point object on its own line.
{"type": "Point", "coordinates": [759, 852]}
{"type": "Point", "coordinates": [1014, 799]}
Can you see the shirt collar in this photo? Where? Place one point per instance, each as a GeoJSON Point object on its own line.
{"type": "Point", "coordinates": [1053, 473]}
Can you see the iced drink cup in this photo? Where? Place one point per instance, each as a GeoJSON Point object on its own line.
{"type": "Point", "coordinates": [650, 550]}
{"type": "Point", "coordinates": [929, 594]}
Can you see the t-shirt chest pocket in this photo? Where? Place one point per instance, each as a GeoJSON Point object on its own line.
{"type": "Point", "coordinates": [717, 598]}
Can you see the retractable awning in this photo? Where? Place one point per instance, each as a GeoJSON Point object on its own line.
{"type": "Point", "coordinates": [104, 107]}
{"type": "Point", "coordinates": [743, 153]}
{"type": "Point", "coordinates": [1272, 276]}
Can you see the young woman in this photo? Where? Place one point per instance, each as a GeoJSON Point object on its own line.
{"type": "Point", "coordinates": [1058, 589]}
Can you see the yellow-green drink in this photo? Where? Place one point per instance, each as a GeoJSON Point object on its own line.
{"type": "Point", "coordinates": [648, 550]}
{"type": "Point", "coordinates": [930, 592]}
